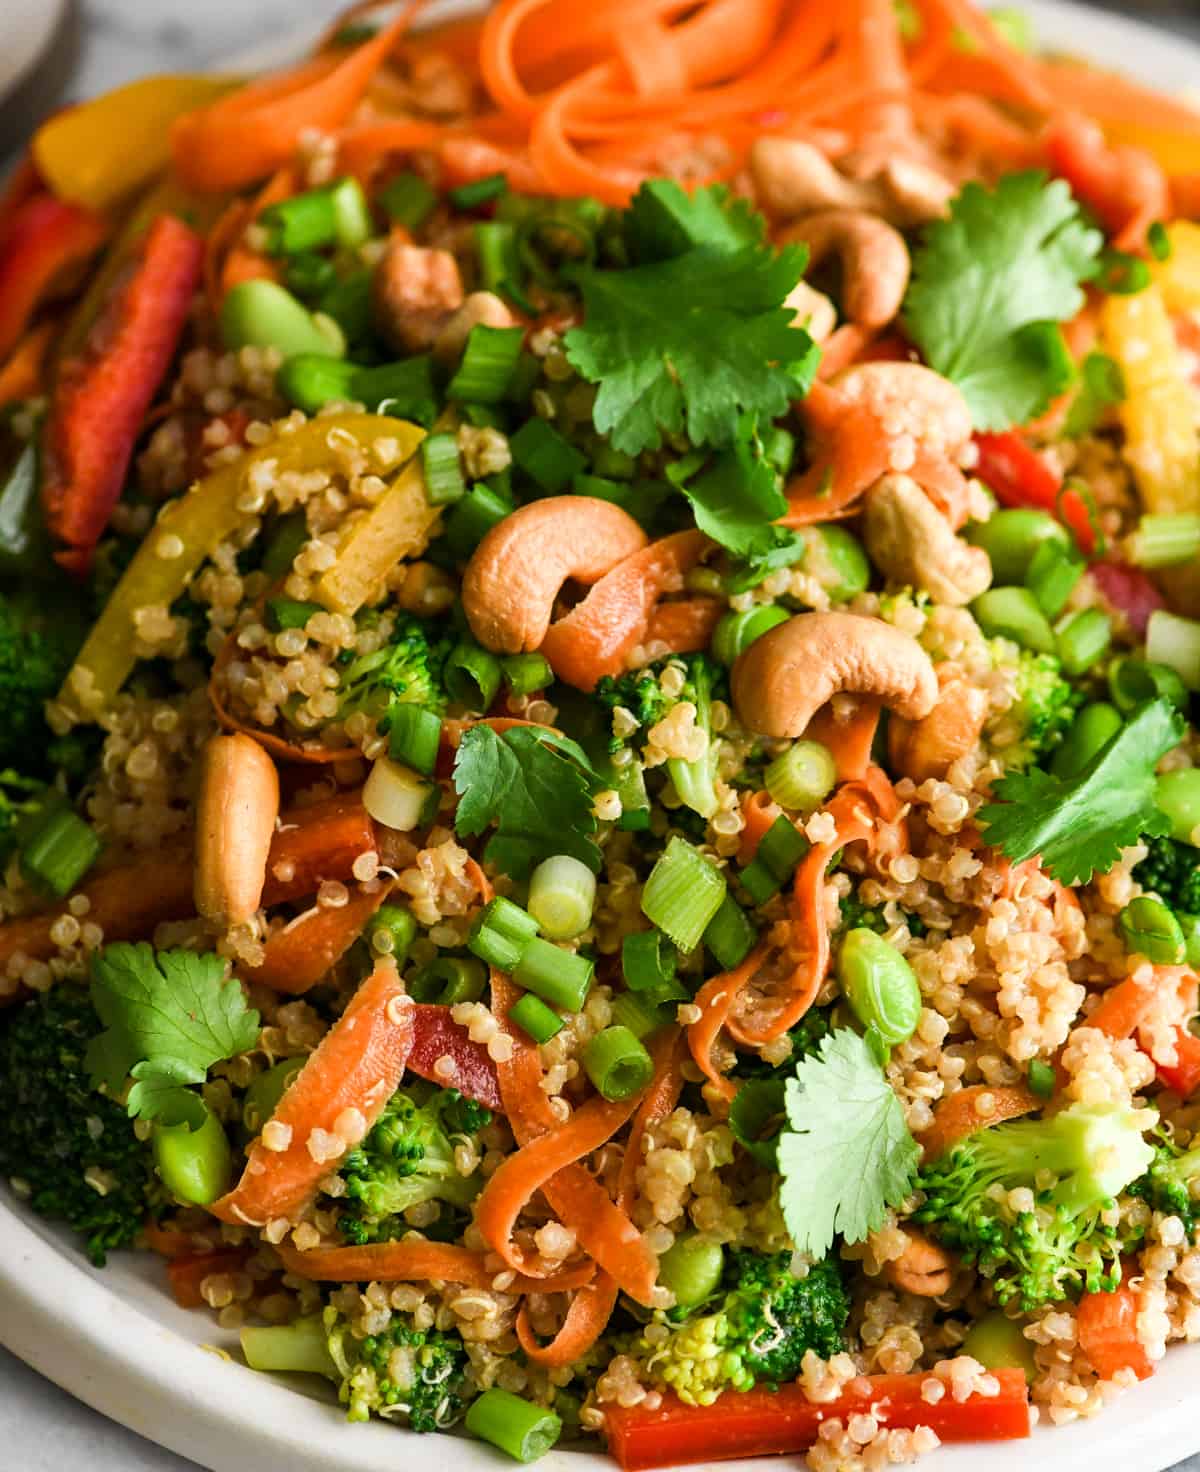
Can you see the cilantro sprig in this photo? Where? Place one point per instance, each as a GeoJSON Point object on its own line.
{"type": "Point", "coordinates": [536, 787]}
{"type": "Point", "coordinates": [169, 1016]}
{"type": "Point", "coordinates": [846, 1155]}
{"type": "Point", "coordinates": [1080, 824]}
{"type": "Point", "coordinates": [990, 286]}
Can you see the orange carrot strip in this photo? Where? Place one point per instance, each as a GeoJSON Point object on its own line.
{"type": "Point", "coordinates": [168, 1242]}
{"type": "Point", "coordinates": [321, 841]}
{"type": "Point", "coordinates": [759, 811]}
{"type": "Point", "coordinates": [415, 1261]}
{"type": "Point", "coordinates": [850, 741]}
{"type": "Point", "coordinates": [186, 1275]}
{"type": "Point", "coordinates": [360, 148]}
{"type": "Point", "coordinates": [685, 625]}
{"type": "Point", "coordinates": [298, 956]}
{"type": "Point", "coordinates": [355, 1070]}
{"type": "Point", "coordinates": [248, 134]}
{"type": "Point", "coordinates": [959, 1115]}
{"type": "Point", "coordinates": [716, 999]}
{"type": "Point", "coordinates": [1124, 186]}
{"type": "Point", "coordinates": [1107, 1327]}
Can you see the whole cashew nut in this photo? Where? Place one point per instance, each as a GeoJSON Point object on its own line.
{"type": "Point", "coordinates": [793, 178]}
{"type": "Point", "coordinates": [785, 676]}
{"type": "Point", "coordinates": [235, 823]}
{"type": "Point", "coordinates": [910, 541]}
{"type": "Point", "coordinates": [874, 259]}
{"type": "Point", "coordinates": [514, 575]}
{"type": "Point", "coordinates": [812, 310]}
{"type": "Point", "coordinates": [923, 1268]}
{"type": "Point", "coordinates": [481, 309]}
{"type": "Point", "coordinates": [916, 192]}
{"type": "Point", "coordinates": [912, 404]}
{"type": "Point", "coordinates": [930, 747]}
{"type": "Point", "coordinates": [413, 291]}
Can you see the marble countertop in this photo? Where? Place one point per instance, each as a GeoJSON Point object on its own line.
{"type": "Point", "coordinates": [104, 43]}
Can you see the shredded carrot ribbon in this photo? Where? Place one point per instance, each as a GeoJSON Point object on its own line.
{"type": "Point", "coordinates": [415, 1261]}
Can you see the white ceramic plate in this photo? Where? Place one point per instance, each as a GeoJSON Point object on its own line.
{"type": "Point", "coordinates": [26, 29]}
{"type": "Point", "coordinates": [117, 1341]}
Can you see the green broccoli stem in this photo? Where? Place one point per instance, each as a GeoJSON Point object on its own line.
{"type": "Point", "coordinates": [300, 1347]}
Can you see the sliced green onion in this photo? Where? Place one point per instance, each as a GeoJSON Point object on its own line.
{"type": "Point", "coordinates": [304, 222]}
{"type": "Point", "coordinates": [309, 274]}
{"type": "Point", "coordinates": [405, 389]}
{"type": "Point", "coordinates": [1084, 640]}
{"type": "Point", "coordinates": [1042, 1079]}
{"type": "Point", "coordinates": [1012, 537]}
{"type": "Point", "coordinates": [414, 735]}
{"type": "Point", "coordinates": [639, 1016]}
{"type": "Point", "coordinates": [1089, 733]}
{"type": "Point", "coordinates": [617, 1063]}
{"type": "Point", "coordinates": [298, 1348]}
{"type": "Point", "coordinates": [803, 777]}
{"type": "Point", "coordinates": [524, 378]}
{"type": "Point", "coordinates": [1052, 576]}
{"type": "Point", "coordinates": [559, 977]}
{"type": "Point", "coordinates": [473, 517]}
{"type": "Point", "coordinates": [496, 246]}
{"type": "Point", "coordinates": [396, 796]}
{"type": "Point", "coordinates": [737, 631]}
{"type": "Point", "coordinates": [1159, 241]}
{"type": "Point", "coordinates": [683, 893]}
{"type": "Point", "coordinates": [648, 963]}
{"type": "Point", "coordinates": [758, 882]}
{"type": "Point", "coordinates": [391, 932]}
{"type": "Point", "coordinates": [730, 934]}
{"type": "Point", "coordinates": [289, 613]}
{"type": "Point", "coordinates": [1178, 797]}
{"type": "Point", "coordinates": [1166, 539]}
{"type": "Point", "coordinates": [641, 498]}
{"type": "Point", "coordinates": [483, 416]}
{"type": "Point", "coordinates": [500, 933]}
{"type": "Point", "coordinates": [838, 561]}
{"type": "Point", "coordinates": [526, 1432]}
{"type": "Point", "coordinates": [525, 673]}
{"type": "Point", "coordinates": [478, 191]}
{"type": "Point", "coordinates": [290, 534]}
{"type": "Point", "coordinates": [1013, 613]}
{"type": "Point", "coordinates": [348, 305]}
{"type": "Point", "coordinates": [408, 200]}
{"type": "Point", "coordinates": [615, 463]}
{"type": "Point", "coordinates": [263, 314]}
{"type": "Point", "coordinates": [59, 851]}
{"type": "Point", "coordinates": [311, 380]}
{"type": "Point", "coordinates": [353, 225]}
{"type": "Point", "coordinates": [1175, 641]}
{"type": "Point", "coordinates": [1132, 682]}
{"type": "Point", "coordinates": [488, 364]}
{"type": "Point", "coordinates": [443, 474]}
{"type": "Point", "coordinates": [756, 1116]}
{"type": "Point", "coordinates": [562, 895]}
{"type": "Point", "coordinates": [532, 1015]}
{"type": "Point", "coordinates": [782, 847]}
{"type": "Point", "coordinates": [448, 981]}
{"type": "Point", "coordinates": [545, 456]}
{"type": "Point", "coordinates": [1149, 929]}
{"type": "Point", "coordinates": [472, 675]}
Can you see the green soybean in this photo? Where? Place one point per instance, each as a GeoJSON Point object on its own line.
{"type": "Point", "coordinates": [1149, 929]}
{"type": "Point", "coordinates": [196, 1166]}
{"type": "Point", "coordinates": [1011, 537]}
{"type": "Point", "coordinates": [879, 985]}
{"type": "Point", "coordinates": [998, 1344]}
{"type": "Point", "coordinates": [1091, 730]}
{"type": "Point", "coordinates": [1178, 798]}
{"type": "Point", "coordinates": [691, 1269]}
{"type": "Point", "coordinates": [263, 314]}
{"type": "Point", "coordinates": [737, 631]}
{"type": "Point", "coordinates": [835, 557]}
{"type": "Point", "coordinates": [265, 1093]}
{"type": "Point", "coordinates": [1013, 613]}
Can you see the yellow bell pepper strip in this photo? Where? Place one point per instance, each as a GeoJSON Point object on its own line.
{"type": "Point", "coordinates": [1178, 277]}
{"type": "Point", "coordinates": [45, 242]}
{"type": "Point", "coordinates": [99, 153]}
{"type": "Point", "coordinates": [1159, 413]}
{"type": "Point", "coordinates": [197, 522]}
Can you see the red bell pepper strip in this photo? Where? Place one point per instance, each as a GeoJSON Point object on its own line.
{"type": "Point", "coordinates": [43, 241]}
{"type": "Point", "coordinates": [187, 1274]}
{"type": "Point", "coordinates": [1020, 477]}
{"type": "Point", "coordinates": [437, 1035]}
{"type": "Point", "coordinates": [756, 1423]}
{"type": "Point", "coordinates": [1183, 1077]}
{"type": "Point", "coordinates": [1107, 1327]}
{"type": "Point", "coordinates": [102, 395]}
{"type": "Point", "coordinates": [1124, 186]}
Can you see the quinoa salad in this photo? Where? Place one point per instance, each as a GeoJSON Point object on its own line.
{"type": "Point", "coordinates": [599, 811]}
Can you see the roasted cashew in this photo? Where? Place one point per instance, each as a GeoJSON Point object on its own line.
{"type": "Point", "coordinates": [414, 291]}
{"type": "Point", "coordinates": [910, 541]}
{"type": "Point", "coordinates": [930, 747]}
{"type": "Point", "coordinates": [812, 310]}
{"type": "Point", "coordinates": [915, 193]}
{"type": "Point", "coordinates": [923, 1268]}
{"type": "Point", "coordinates": [913, 405]}
{"type": "Point", "coordinates": [235, 823]}
{"type": "Point", "coordinates": [873, 256]}
{"type": "Point", "coordinates": [793, 178]}
{"type": "Point", "coordinates": [481, 309]}
{"type": "Point", "coordinates": [514, 575]}
{"type": "Point", "coordinates": [785, 676]}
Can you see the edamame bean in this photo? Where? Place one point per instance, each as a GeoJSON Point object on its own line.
{"type": "Point", "coordinates": [263, 314]}
{"type": "Point", "coordinates": [1013, 613]}
{"type": "Point", "coordinates": [265, 1092]}
{"type": "Point", "coordinates": [196, 1166]}
{"type": "Point", "coordinates": [391, 931]}
{"type": "Point", "coordinates": [998, 1344]}
{"type": "Point", "coordinates": [1012, 536]}
{"type": "Point", "coordinates": [691, 1269]}
{"type": "Point", "coordinates": [1131, 682]}
{"type": "Point", "coordinates": [1091, 730]}
{"type": "Point", "coordinates": [880, 986]}
{"type": "Point", "coordinates": [1149, 929]}
{"type": "Point", "coordinates": [836, 558]}
{"type": "Point", "coordinates": [1178, 798]}
{"type": "Point", "coordinates": [737, 631]}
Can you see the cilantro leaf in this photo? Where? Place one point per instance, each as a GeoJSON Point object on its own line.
{"type": "Point", "coordinates": [735, 501]}
{"type": "Point", "coordinates": [664, 221]}
{"type": "Point", "coordinates": [846, 1154]}
{"type": "Point", "coordinates": [989, 286]}
{"type": "Point", "coordinates": [1081, 824]}
{"type": "Point", "coordinates": [536, 786]}
{"type": "Point", "coordinates": [691, 344]}
{"type": "Point", "coordinates": [169, 1016]}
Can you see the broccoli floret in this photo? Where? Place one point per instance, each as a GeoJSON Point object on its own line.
{"type": "Point", "coordinates": [406, 1159]}
{"type": "Point", "coordinates": [407, 669]}
{"type": "Point", "coordinates": [854, 915]}
{"type": "Point", "coordinates": [766, 1322]}
{"type": "Point", "coordinates": [1167, 1186]}
{"type": "Point", "coordinates": [71, 1151]}
{"type": "Point", "coordinates": [1172, 870]}
{"type": "Point", "coordinates": [1067, 1243]}
{"type": "Point", "coordinates": [1044, 706]}
{"type": "Point", "coordinates": [36, 652]}
{"type": "Point", "coordinates": [805, 1039]}
{"type": "Point", "coordinates": [402, 1373]}
{"type": "Point", "coordinates": [641, 693]}
{"type": "Point", "coordinates": [20, 798]}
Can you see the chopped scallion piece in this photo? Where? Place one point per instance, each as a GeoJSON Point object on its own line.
{"type": "Point", "coordinates": [639, 1016]}
{"type": "Point", "coordinates": [404, 389]}
{"type": "Point", "coordinates": [1084, 640]}
{"type": "Point", "coordinates": [414, 735]}
{"type": "Point", "coordinates": [309, 274]}
{"type": "Point", "coordinates": [391, 931]}
{"type": "Point", "coordinates": [488, 364]}
{"type": "Point", "coordinates": [1166, 539]}
{"type": "Point", "coordinates": [649, 962]}
{"type": "Point", "coordinates": [545, 456]}
{"type": "Point", "coordinates": [737, 631]}
{"type": "Point", "coordinates": [396, 796]}
{"type": "Point", "coordinates": [758, 882]}
{"type": "Point", "coordinates": [289, 613]}
{"type": "Point", "coordinates": [559, 977]}
{"type": "Point", "coordinates": [496, 246]}
{"type": "Point", "coordinates": [682, 894]}
{"type": "Point", "coordinates": [617, 1063]}
{"type": "Point", "coordinates": [312, 380]}
{"type": "Point", "coordinates": [1134, 681]}
{"type": "Point", "coordinates": [1052, 576]}
{"type": "Point", "coordinates": [473, 517]}
{"type": "Point", "coordinates": [443, 474]}
{"type": "Point", "coordinates": [59, 851]}
{"type": "Point", "coordinates": [448, 981]}
{"type": "Point", "coordinates": [501, 932]}
{"type": "Point", "coordinates": [526, 1432]}
{"type": "Point", "coordinates": [1175, 641]}
{"type": "Point", "coordinates": [532, 1015]}
{"type": "Point", "coordinates": [351, 213]}
{"type": "Point", "coordinates": [525, 673]}
{"type": "Point", "coordinates": [802, 777]}
{"type": "Point", "coordinates": [408, 200]}
{"type": "Point", "coordinates": [781, 848]}
{"type": "Point", "coordinates": [304, 222]}
{"type": "Point", "coordinates": [562, 894]}
{"type": "Point", "coordinates": [478, 191]}
{"type": "Point", "coordinates": [730, 934]}
{"type": "Point", "coordinates": [472, 675]}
